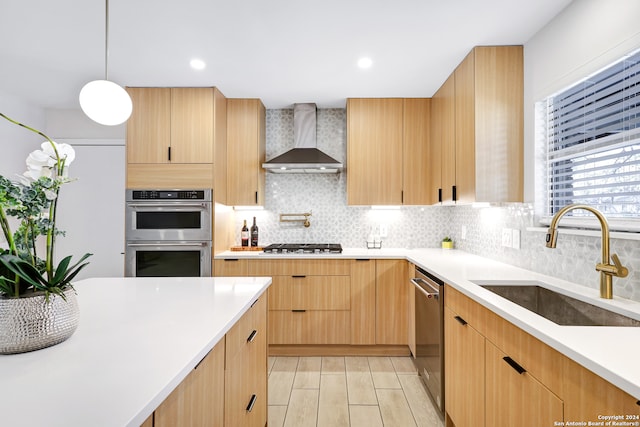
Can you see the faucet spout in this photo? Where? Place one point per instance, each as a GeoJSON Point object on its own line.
{"type": "Point", "coordinates": [606, 269]}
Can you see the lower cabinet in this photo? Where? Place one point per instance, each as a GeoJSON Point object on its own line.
{"type": "Point", "coordinates": [229, 386]}
{"type": "Point", "coordinates": [498, 375]}
{"type": "Point", "coordinates": [514, 397]}
{"type": "Point", "coordinates": [196, 401]}
{"type": "Point", "coordinates": [464, 371]}
{"type": "Point", "coordinates": [392, 302]}
{"type": "Point", "coordinates": [246, 369]}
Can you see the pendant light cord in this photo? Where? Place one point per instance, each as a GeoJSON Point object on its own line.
{"type": "Point", "coordinates": [106, 41]}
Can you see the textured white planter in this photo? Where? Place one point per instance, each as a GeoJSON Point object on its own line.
{"type": "Point", "coordinates": [31, 323]}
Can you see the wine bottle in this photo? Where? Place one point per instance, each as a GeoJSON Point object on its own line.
{"type": "Point", "coordinates": [244, 234]}
{"type": "Point", "coordinates": [254, 233]}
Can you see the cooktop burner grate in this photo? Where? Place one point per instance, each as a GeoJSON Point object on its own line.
{"type": "Point", "coordinates": [303, 248]}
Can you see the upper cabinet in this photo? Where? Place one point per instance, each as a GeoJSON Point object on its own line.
{"type": "Point", "coordinates": [442, 152]}
{"type": "Point", "coordinates": [246, 143]}
{"type": "Point", "coordinates": [170, 125]}
{"type": "Point", "coordinates": [486, 130]}
{"type": "Point", "coordinates": [174, 136]}
{"type": "Point", "coordinates": [387, 144]}
{"type": "Point", "coordinates": [415, 151]}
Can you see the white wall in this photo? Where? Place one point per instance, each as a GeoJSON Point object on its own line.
{"type": "Point", "coordinates": [15, 142]}
{"type": "Point", "coordinates": [584, 38]}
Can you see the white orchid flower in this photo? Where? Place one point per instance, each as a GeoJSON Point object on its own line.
{"type": "Point", "coordinates": [65, 151]}
{"type": "Point", "coordinates": [41, 163]}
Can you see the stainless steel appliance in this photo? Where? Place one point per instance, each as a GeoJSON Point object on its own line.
{"type": "Point", "coordinates": [168, 215]}
{"type": "Point", "coordinates": [303, 248]}
{"type": "Point", "coordinates": [429, 330]}
{"type": "Point", "coordinates": [168, 233]}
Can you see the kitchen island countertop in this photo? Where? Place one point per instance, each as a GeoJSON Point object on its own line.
{"type": "Point", "coordinates": [610, 352]}
{"type": "Point", "coordinates": [137, 339]}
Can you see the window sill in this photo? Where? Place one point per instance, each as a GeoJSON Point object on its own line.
{"type": "Point", "coordinates": [624, 235]}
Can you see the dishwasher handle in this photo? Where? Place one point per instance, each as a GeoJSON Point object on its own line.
{"type": "Point", "coordinates": [430, 292]}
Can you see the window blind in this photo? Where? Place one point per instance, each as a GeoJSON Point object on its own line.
{"type": "Point", "coordinates": [593, 142]}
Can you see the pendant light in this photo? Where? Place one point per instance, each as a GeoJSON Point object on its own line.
{"type": "Point", "coordinates": [104, 101]}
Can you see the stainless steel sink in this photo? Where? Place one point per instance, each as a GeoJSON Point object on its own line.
{"type": "Point", "coordinates": [559, 308]}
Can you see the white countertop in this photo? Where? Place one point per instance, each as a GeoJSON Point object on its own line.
{"type": "Point", "coordinates": [136, 341]}
{"type": "Point", "coordinates": [611, 352]}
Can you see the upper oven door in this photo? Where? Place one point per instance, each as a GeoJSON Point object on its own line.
{"type": "Point", "coordinates": [168, 220]}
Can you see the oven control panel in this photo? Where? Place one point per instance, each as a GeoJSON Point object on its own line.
{"type": "Point", "coordinates": [204, 195]}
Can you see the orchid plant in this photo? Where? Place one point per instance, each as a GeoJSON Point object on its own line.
{"type": "Point", "coordinates": [33, 201]}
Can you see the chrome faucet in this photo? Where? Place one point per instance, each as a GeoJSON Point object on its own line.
{"type": "Point", "coordinates": [607, 270]}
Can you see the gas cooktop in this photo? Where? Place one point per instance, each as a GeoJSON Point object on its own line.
{"type": "Point", "coordinates": [303, 248]}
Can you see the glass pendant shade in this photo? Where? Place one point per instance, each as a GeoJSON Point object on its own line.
{"type": "Point", "coordinates": [105, 102]}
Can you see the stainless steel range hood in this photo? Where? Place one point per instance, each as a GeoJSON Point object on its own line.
{"type": "Point", "coordinates": [305, 156]}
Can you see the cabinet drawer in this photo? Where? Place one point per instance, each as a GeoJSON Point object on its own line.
{"type": "Point", "coordinates": [230, 267]}
{"type": "Point", "coordinates": [309, 327]}
{"type": "Point", "coordinates": [469, 310]}
{"type": "Point", "coordinates": [246, 385]}
{"type": "Point", "coordinates": [249, 328]}
{"type": "Point", "coordinates": [299, 267]}
{"type": "Point", "coordinates": [310, 293]}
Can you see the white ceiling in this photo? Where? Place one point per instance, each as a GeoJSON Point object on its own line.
{"type": "Point", "coordinates": [282, 51]}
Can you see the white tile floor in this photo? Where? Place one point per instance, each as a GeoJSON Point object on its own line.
{"type": "Point", "coordinates": [348, 391]}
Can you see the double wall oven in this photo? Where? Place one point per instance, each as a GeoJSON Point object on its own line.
{"type": "Point", "coordinates": [168, 233]}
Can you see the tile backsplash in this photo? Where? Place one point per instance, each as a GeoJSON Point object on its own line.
{"type": "Point", "coordinates": [332, 221]}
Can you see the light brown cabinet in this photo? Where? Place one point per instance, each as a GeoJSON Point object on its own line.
{"type": "Point", "coordinates": [464, 371]}
{"type": "Point", "coordinates": [392, 302]}
{"type": "Point", "coordinates": [229, 386]}
{"type": "Point", "coordinates": [442, 152]}
{"type": "Point", "coordinates": [172, 136]}
{"type": "Point", "coordinates": [586, 395]}
{"type": "Point", "coordinates": [357, 302]}
{"type": "Point", "coordinates": [415, 151]}
{"type": "Point", "coordinates": [309, 301]}
{"type": "Point", "coordinates": [171, 125]}
{"type": "Point", "coordinates": [498, 375]}
{"type": "Point", "coordinates": [197, 399]}
{"type": "Point", "coordinates": [363, 301]}
{"type": "Point", "coordinates": [481, 155]}
{"type": "Point", "coordinates": [515, 397]}
{"type": "Point", "coordinates": [245, 398]}
{"type": "Point", "coordinates": [245, 152]}
{"type": "Point", "coordinates": [387, 147]}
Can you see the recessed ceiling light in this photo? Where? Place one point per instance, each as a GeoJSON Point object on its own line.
{"type": "Point", "coordinates": [365, 62]}
{"type": "Point", "coordinates": [197, 64]}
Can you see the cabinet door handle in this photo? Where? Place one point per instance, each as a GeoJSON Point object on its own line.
{"type": "Point", "coordinates": [514, 365]}
{"type": "Point", "coordinates": [454, 192]}
{"type": "Point", "coordinates": [254, 303]}
{"type": "Point", "coordinates": [252, 336]}
{"type": "Point", "coordinates": [439, 195]}
{"type": "Point", "coordinates": [231, 259]}
{"type": "Point", "coordinates": [461, 320]}
{"type": "Point", "coordinates": [298, 277]}
{"type": "Point", "coordinates": [363, 259]}
{"type": "Point", "coordinates": [252, 402]}
{"type": "Point", "coordinates": [298, 311]}
{"type": "Point", "coordinates": [169, 153]}
{"type": "Point", "coordinates": [256, 197]}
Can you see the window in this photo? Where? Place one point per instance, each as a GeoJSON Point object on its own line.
{"type": "Point", "coordinates": [593, 143]}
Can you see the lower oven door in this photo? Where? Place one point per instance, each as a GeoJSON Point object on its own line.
{"type": "Point", "coordinates": [168, 259]}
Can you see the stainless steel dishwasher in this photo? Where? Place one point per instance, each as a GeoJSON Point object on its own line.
{"type": "Point", "coordinates": [429, 329]}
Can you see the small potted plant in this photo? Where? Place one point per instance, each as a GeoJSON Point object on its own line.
{"type": "Point", "coordinates": [447, 243]}
{"type": "Point", "coordinates": [38, 307]}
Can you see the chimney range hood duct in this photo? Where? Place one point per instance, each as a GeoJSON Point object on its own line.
{"type": "Point", "coordinates": [304, 157]}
